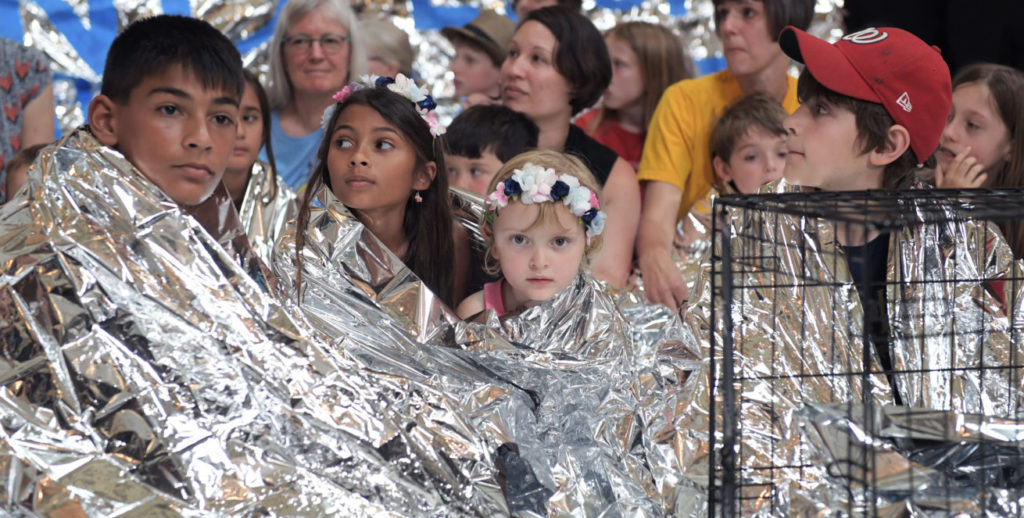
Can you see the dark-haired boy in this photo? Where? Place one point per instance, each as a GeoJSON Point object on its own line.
{"type": "Point", "coordinates": [481, 139]}
{"type": "Point", "coordinates": [169, 103]}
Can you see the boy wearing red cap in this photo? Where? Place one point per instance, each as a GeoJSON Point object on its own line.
{"type": "Point", "coordinates": [873, 107]}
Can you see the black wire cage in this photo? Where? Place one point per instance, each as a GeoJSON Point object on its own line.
{"type": "Point", "coordinates": [867, 354]}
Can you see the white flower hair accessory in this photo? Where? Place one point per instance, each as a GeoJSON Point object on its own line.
{"type": "Point", "coordinates": [401, 85]}
{"type": "Point", "coordinates": [536, 184]}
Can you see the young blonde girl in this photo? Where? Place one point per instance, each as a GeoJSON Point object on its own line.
{"type": "Point", "coordinates": [983, 142]}
{"type": "Point", "coordinates": [382, 158]}
{"type": "Point", "coordinates": [646, 59]}
{"type": "Point", "coordinates": [543, 219]}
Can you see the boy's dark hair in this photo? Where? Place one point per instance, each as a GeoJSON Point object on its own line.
{"type": "Point", "coordinates": [495, 128]}
{"type": "Point", "coordinates": [151, 45]}
{"type": "Point", "coordinates": [873, 123]}
{"type": "Point", "coordinates": [25, 157]}
{"type": "Point", "coordinates": [781, 13]}
{"type": "Point", "coordinates": [427, 224]}
{"type": "Point", "coordinates": [753, 111]}
{"type": "Point", "coordinates": [580, 56]}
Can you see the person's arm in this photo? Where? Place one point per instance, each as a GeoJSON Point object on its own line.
{"type": "Point", "coordinates": [663, 282]}
{"type": "Point", "coordinates": [621, 198]}
{"type": "Point", "coordinates": [37, 119]}
{"type": "Point", "coordinates": [471, 306]}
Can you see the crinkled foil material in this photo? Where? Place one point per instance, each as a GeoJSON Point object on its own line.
{"type": "Point", "coordinates": [913, 462]}
{"type": "Point", "coordinates": [144, 371]}
{"type": "Point", "coordinates": [798, 336]}
{"type": "Point", "coordinates": [579, 396]}
{"type": "Point", "coordinates": [267, 207]}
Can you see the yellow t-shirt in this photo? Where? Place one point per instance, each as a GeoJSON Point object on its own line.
{"type": "Point", "coordinates": [677, 149]}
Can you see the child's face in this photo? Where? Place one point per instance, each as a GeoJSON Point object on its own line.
{"type": "Point", "coordinates": [822, 148]}
{"type": "Point", "coordinates": [537, 262]}
{"type": "Point", "coordinates": [974, 121]}
{"type": "Point", "coordinates": [178, 133]}
{"type": "Point", "coordinates": [249, 136]}
{"type": "Point", "coordinates": [371, 164]}
{"type": "Point", "coordinates": [757, 159]}
{"type": "Point", "coordinates": [533, 86]}
{"type": "Point", "coordinates": [746, 42]}
{"type": "Point", "coordinates": [626, 89]}
{"type": "Point", "coordinates": [475, 72]}
{"type": "Point", "coordinates": [472, 174]}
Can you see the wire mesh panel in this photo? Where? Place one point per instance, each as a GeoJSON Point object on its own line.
{"type": "Point", "coordinates": [867, 354]}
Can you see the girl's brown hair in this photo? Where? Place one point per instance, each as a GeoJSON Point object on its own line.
{"type": "Point", "coordinates": [562, 163]}
{"type": "Point", "coordinates": [427, 224]}
{"type": "Point", "coordinates": [662, 63]}
{"type": "Point", "coordinates": [1005, 85]}
{"type": "Point", "coordinates": [253, 81]}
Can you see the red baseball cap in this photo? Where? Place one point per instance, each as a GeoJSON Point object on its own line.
{"type": "Point", "coordinates": [888, 66]}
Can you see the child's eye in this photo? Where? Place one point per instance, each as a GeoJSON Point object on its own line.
{"type": "Point", "coordinates": [250, 117]}
{"type": "Point", "coordinates": [819, 108]}
{"type": "Point", "coordinates": [168, 109]}
{"type": "Point", "coordinates": [384, 145]}
{"type": "Point", "coordinates": [537, 58]}
{"type": "Point", "coordinates": [224, 120]}
{"type": "Point", "coordinates": [342, 143]}
{"type": "Point", "coordinates": [750, 158]}
{"type": "Point", "coordinates": [783, 153]}
{"type": "Point", "coordinates": [512, 53]}
{"type": "Point", "coordinates": [972, 126]}
{"type": "Point", "coordinates": [475, 172]}
{"type": "Point", "coordinates": [749, 13]}
{"type": "Point", "coordinates": [518, 239]}
{"type": "Point", "coordinates": [560, 242]}
{"type": "Point", "coordinates": [453, 172]}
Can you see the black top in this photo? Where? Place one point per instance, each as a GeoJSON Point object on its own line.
{"type": "Point", "coordinates": [597, 156]}
{"type": "Point", "coordinates": [867, 267]}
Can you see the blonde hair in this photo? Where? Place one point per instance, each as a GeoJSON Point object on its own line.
{"type": "Point", "coordinates": [280, 88]}
{"type": "Point", "coordinates": [389, 43]}
{"type": "Point", "coordinates": [562, 163]}
{"type": "Point", "coordinates": [662, 61]}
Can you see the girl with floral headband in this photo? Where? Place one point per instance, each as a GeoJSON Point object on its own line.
{"type": "Point", "coordinates": [543, 218]}
{"type": "Point", "coordinates": [380, 157]}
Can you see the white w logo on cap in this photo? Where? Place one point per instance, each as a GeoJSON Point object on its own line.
{"type": "Point", "coordinates": [866, 36]}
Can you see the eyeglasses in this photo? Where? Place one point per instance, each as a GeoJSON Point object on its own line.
{"type": "Point", "coordinates": [303, 44]}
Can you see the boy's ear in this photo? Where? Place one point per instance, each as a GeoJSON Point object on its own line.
{"type": "Point", "coordinates": [722, 169]}
{"type": "Point", "coordinates": [425, 176]}
{"type": "Point", "coordinates": [103, 120]}
{"type": "Point", "coordinates": [897, 143]}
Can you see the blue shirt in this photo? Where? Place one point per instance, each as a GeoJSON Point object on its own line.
{"type": "Point", "coordinates": [295, 156]}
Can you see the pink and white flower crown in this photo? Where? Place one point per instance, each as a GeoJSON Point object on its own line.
{"type": "Point", "coordinates": [401, 85]}
{"type": "Point", "coordinates": [536, 184]}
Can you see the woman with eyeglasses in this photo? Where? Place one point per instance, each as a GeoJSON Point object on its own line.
{"type": "Point", "coordinates": [316, 50]}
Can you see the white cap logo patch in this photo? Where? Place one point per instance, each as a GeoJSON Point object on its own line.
{"type": "Point", "coordinates": [866, 37]}
{"type": "Point", "coordinates": [904, 101]}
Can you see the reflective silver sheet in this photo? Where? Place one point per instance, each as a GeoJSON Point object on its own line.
{"type": "Point", "coordinates": [267, 207]}
{"type": "Point", "coordinates": [145, 372]}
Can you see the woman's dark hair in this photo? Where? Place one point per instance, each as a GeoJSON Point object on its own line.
{"type": "Point", "coordinates": [1005, 85]}
{"type": "Point", "coordinates": [261, 95]}
{"type": "Point", "coordinates": [580, 56]}
{"type": "Point", "coordinates": [427, 224]}
{"type": "Point", "coordinates": [780, 13]}
{"type": "Point", "coordinates": [873, 123]}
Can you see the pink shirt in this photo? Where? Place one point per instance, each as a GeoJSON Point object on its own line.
{"type": "Point", "coordinates": [492, 297]}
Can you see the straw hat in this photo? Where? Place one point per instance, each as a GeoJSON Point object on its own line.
{"type": "Point", "coordinates": [490, 31]}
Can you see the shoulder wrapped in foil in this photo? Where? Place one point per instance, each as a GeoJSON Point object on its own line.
{"type": "Point", "coordinates": [579, 394]}
{"type": "Point", "coordinates": [798, 328]}
{"type": "Point", "coordinates": [144, 371]}
{"type": "Point", "coordinates": [267, 207]}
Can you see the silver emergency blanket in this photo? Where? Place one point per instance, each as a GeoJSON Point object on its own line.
{"type": "Point", "coordinates": [267, 207]}
{"type": "Point", "coordinates": [145, 372]}
{"type": "Point", "coordinates": [578, 395]}
{"type": "Point", "coordinates": [905, 461]}
{"type": "Point", "coordinates": [797, 329]}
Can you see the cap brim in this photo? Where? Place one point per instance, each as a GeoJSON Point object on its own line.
{"type": "Point", "coordinates": [826, 63]}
